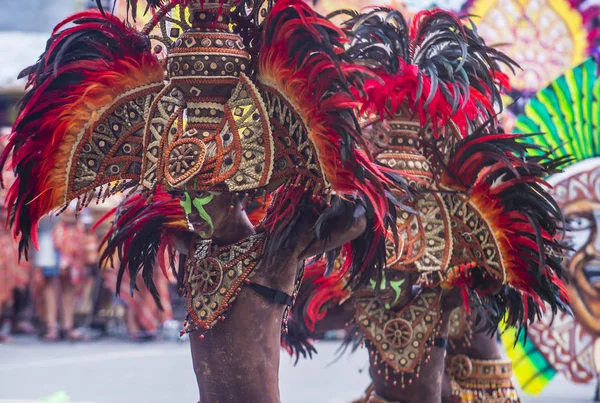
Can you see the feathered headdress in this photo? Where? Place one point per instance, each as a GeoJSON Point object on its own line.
{"type": "Point", "coordinates": [144, 110]}
{"type": "Point", "coordinates": [437, 65]}
{"type": "Point", "coordinates": [80, 83]}
{"type": "Point", "coordinates": [142, 234]}
{"type": "Point", "coordinates": [487, 183]}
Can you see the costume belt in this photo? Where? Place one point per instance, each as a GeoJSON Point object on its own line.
{"type": "Point", "coordinates": [480, 380]}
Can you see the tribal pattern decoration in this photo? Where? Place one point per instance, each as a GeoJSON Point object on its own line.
{"type": "Point", "coordinates": [474, 380]}
{"type": "Point", "coordinates": [460, 331]}
{"type": "Point", "coordinates": [402, 337]}
{"type": "Point", "coordinates": [214, 277]}
{"type": "Point", "coordinates": [239, 96]}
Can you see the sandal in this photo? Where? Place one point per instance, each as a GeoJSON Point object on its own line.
{"type": "Point", "coordinates": [22, 328]}
{"type": "Point", "coordinates": [141, 336]}
{"type": "Point", "coordinates": [75, 335]}
{"type": "Point", "coordinates": [51, 335]}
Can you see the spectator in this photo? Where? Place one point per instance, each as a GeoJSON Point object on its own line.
{"type": "Point", "coordinates": [69, 239]}
{"type": "Point", "coordinates": [46, 260]}
{"type": "Point", "coordinates": [143, 317]}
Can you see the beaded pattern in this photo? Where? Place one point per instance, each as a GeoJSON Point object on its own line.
{"type": "Point", "coordinates": [449, 234]}
{"type": "Point", "coordinates": [460, 330]}
{"type": "Point", "coordinates": [113, 149]}
{"type": "Point", "coordinates": [424, 242]}
{"type": "Point", "coordinates": [400, 338]}
{"type": "Point", "coordinates": [480, 380]}
{"type": "Point", "coordinates": [473, 240]}
{"type": "Point", "coordinates": [294, 151]}
{"type": "Point", "coordinates": [214, 278]}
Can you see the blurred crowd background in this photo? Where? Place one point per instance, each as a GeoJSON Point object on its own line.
{"type": "Point", "coordinates": [61, 294]}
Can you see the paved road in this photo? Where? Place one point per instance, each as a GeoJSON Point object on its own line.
{"type": "Point", "coordinates": [114, 371]}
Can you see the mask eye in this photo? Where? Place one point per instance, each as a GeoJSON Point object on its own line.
{"type": "Point", "coordinates": [200, 195]}
{"type": "Point", "coordinates": [578, 223]}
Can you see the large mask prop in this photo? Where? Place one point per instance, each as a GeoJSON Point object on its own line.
{"type": "Point", "coordinates": [565, 112]}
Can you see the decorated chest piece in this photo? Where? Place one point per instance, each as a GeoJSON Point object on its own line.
{"type": "Point", "coordinates": [214, 277]}
{"type": "Point", "coordinates": [400, 339]}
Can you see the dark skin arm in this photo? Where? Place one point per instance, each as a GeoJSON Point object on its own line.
{"type": "Point", "coordinates": [337, 318]}
{"type": "Point", "coordinates": [340, 235]}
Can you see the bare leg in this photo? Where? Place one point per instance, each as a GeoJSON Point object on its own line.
{"type": "Point", "coordinates": [68, 309]}
{"type": "Point", "coordinates": [20, 324]}
{"type": "Point", "coordinates": [132, 326]}
{"type": "Point", "coordinates": [50, 298]}
{"type": "Point", "coordinates": [68, 303]}
{"type": "Point", "coordinates": [3, 309]}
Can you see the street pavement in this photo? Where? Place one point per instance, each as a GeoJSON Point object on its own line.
{"type": "Point", "coordinates": [117, 371]}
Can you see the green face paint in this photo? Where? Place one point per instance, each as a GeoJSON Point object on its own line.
{"type": "Point", "coordinates": [396, 286]}
{"type": "Point", "coordinates": [186, 204]}
{"type": "Point", "coordinates": [199, 204]}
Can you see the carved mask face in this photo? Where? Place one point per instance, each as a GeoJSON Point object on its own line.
{"type": "Point", "coordinates": [577, 192]}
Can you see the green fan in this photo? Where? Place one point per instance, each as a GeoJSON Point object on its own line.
{"type": "Point", "coordinates": [567, 114]}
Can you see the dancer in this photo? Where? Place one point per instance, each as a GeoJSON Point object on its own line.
{"type": "Point", "coordinates": [460, 238]}
{"type": "Point", "coordinates": [14, 284]}
{"type": "Point", "coordinates": [68, 236]}
{"type": "Point", "coordinates": [236, 106]}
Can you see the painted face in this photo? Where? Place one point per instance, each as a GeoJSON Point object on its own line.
{"type": "Point", "coordinates": [577, 192]}
{"type": "Point", "coordinates": [395, 289]}
{"type": "Point", "coordinates": [204, 210]}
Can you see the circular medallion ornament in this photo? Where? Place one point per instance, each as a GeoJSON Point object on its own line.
{"type": "Point", "coordinates": [207, 276]}
{"type": "Point", "coordinates": [185, 160]}
{"type": "Point", "coordinates": [460, 366]}
{"type": "Point", "coordinates": [398, 332]}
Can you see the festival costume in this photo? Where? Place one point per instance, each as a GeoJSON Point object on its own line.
{"type": "Point", "coordinates": [475, 380]}
{"type": "Point", "coordinates": [210, 96]}
{"type": "Point", "coordinates": [14, 274]}
{"type": "Point", "coordinates": [69, 241]}
{"type": "Point", "coordinates": [147, 314]}
{"type": "Point", "coordinates": [566, 113]}
{"type": "Point", "coordinates": [480, 219]}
